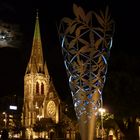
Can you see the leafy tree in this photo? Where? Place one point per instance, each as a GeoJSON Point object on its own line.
{"type": "Point", "coordinates": [44, 124]}
{"type": "Point", "coordinates": [108, 122]}
{"type": "Point", "coordinates": [39, 127]}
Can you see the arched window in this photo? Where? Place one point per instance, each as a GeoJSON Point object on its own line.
{"type": "Point", "coordinates": [51, 95]}
{"type": "Point", "coordinates": [42, 88]}
{"type": "Point", "coordinates": [37, 88]}
{"type": "Point", "coordinates": [27, 88]}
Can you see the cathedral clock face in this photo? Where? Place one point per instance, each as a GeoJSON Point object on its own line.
{"type": "Point", "coordinates": [51, 108]}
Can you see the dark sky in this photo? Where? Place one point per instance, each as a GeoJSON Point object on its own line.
{"type": "Point", "coordinates": [13, 61]}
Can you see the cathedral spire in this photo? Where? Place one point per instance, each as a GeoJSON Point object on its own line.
{"type": "Point", "coordinates": [36, 62]}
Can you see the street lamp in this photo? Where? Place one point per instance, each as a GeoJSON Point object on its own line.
{"type": "Point", "coordinates": [102, 111]}
{"type": "Point", "coordinates": [39, 117]}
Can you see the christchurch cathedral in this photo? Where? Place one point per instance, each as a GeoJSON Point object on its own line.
{"type": "Point", "coordinates": [43, 112]}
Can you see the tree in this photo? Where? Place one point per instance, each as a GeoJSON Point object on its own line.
{"type": "Point", "coordinates": [44, 124]}
{"type": "Point", "coordinates": [39, 127]}
{"type": "Point", "coordinates": [108, 122]}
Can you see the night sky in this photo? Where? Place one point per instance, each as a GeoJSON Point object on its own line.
{"type": "Point", "coordinates": [13, 61]}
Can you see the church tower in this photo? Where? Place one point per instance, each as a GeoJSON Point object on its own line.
{"type": "Point", "coordinates": [40, 98]}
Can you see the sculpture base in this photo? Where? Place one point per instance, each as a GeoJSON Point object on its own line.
{"type": "Point", "coordinates": [87, 129]}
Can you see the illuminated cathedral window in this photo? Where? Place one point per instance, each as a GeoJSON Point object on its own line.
{"type": "Point", "coordinates": [27, 88]}
{"type": "Point", "coordinates": [51, 95]}
{"type": "Point", "coordinates": [42, 88]}
{"type": "Point", "coordinates": [39, 70]}
{"type": "Point", "coordinates": [37, 88]}
{"type": "Point", "coordinates": [68, 134]}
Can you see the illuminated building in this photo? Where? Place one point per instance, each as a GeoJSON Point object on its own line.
{"type": "Point", "coordinates": [41, 101]}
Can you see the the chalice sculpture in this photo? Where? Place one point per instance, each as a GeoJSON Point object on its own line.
{"type": "Point", "coordinates": [86, 41]}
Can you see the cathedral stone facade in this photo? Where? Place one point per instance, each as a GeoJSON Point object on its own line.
{"type": "Point", "coordinates": [42, 109]}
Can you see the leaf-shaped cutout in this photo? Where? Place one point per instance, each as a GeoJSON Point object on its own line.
{"type": "Point", "coordinates": [97, 43]}
{"type": "Point", "coordinates": [78, 30]}
{"type": "Point", "coordinates": [99, 29]}
{"type": "Point", "coordinates": [73, 51]}
{"type": "Point", "coordinates": [100, 20]}
{"type": "Point", "coordinates": [107, 13]}
{"type": "Point", "coordinates": [101, 65]}
{"type": "Point", "coordinates": [91, 37]}
{"type": "Point", "coordinates": [84, 49]}
{"type": "Point", "coordinates": [88, 17]}
{"type": "Point", "coordinates": [100, 59]}
{"type": "Point", "coordinates": [75, 10]}
{"type": "Point", "coordinates": [72, 43]}
{"type": "Point", "coordinates": [67, 20]}
{"type": "Point", "coordinates": [96, 96]}
{"type": "Point", "coordinates": [94, 68]}
{"type": "Point", "coordinates": [95, 80]}
{"type": "Point", "coordinates": [83, 41]}
{"type": "Point", "coordinates": [92, 52]}
{"type": "Point", "coordinates": [102, 15]}
{"type": "Point", "coordinates": [72, 28]}
{"type": "Point", "coordinates": [79, 61]}
{"type": "Point", "coordinates": [82, 95]}
{"type": "Point", "coordinates": [86, 82]}
{"type": "Point", "coordinates": [67, 29]}
{"type": "Point", "coordinates": [74, 65]}
{"type": "Point", "coordinates": [81, 13]}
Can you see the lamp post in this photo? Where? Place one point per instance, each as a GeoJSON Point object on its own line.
{"type": "Point", "coordinates": [39, 117]}
{"type": "Point", "coordinates": [102, 111]}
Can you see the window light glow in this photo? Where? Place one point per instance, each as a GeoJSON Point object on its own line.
{"type": "Point", "coordinates": [12, 107]}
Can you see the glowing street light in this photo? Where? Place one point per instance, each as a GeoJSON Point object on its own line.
{"type": "Point", "coordinates": [102, 111]}
{"type": "Point", "coordinates": [39, 117]}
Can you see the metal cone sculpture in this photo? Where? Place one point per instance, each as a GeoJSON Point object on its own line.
{"type": "Point", "coordinates": [86, 41]}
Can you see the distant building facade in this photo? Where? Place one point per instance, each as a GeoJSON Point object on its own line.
{"type": "Point", "coordinates": [42, 108]}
